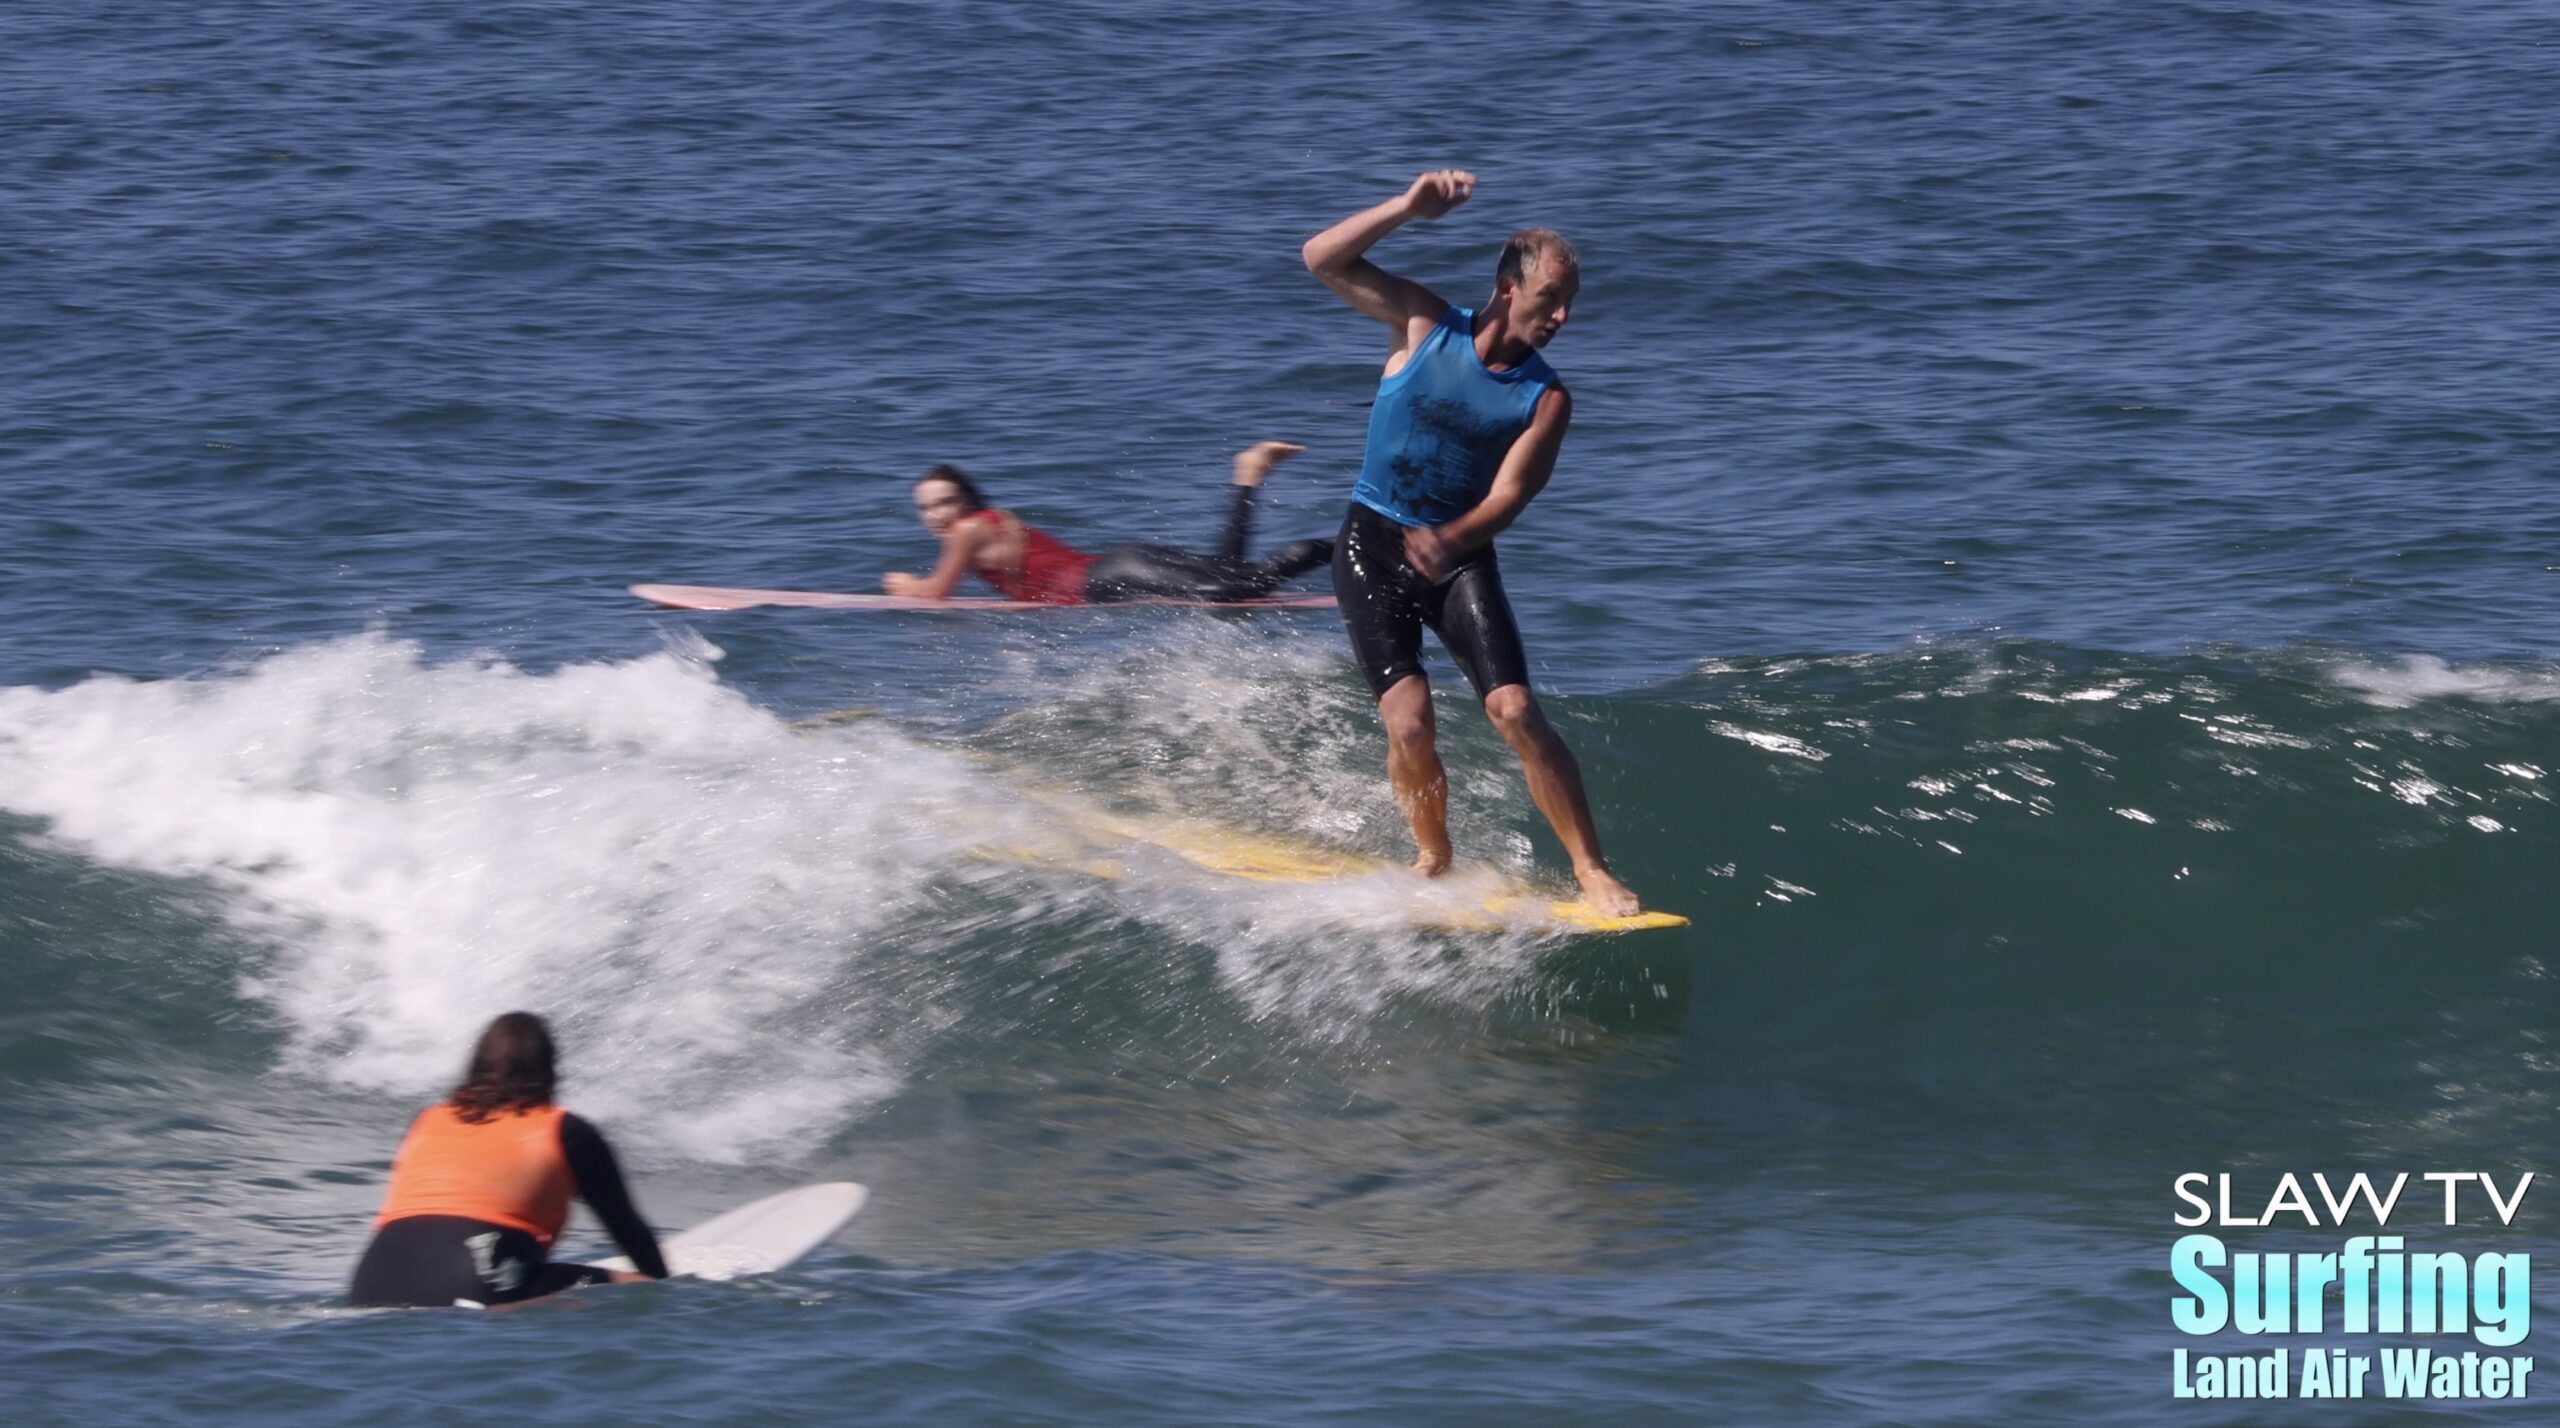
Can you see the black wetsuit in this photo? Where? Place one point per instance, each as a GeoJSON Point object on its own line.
{"type": "Point", "coordinates": [1439, 431]}
{"type": "Point", "coordinates": [1386, 603]}
{"type": "Point", "coordinates": [1163, 572]}
{"type": "Point", "coordinates": [434, 1260]}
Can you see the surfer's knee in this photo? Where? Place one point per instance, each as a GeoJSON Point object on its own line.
{"type": "Point", "coordinates": [1516, 716]}
{"type": "Point", "coordinates": [1406, 711]}
{"type": "Point", "coordinates": [1411, 733]}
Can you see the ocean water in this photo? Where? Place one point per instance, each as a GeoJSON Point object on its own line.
{"type": "Point", "coordinates": [2056, 570]}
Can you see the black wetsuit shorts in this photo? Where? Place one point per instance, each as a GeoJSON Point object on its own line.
{"type": "Point", "coordinates": [1386, 603]}
{"type": "Point", "coordinates": [433, 1260]}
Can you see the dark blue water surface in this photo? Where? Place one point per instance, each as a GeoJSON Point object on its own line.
{"type": "Point", "coordinates": [2056, 569]}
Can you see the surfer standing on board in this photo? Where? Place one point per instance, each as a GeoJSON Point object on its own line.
{"type": "Point", "coordinates": [1463, 435]}
{"type": "Point", "coordinates": [1026, 564]}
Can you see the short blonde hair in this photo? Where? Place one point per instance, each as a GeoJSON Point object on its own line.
{"type": "Point", "coordinates": [1539, 242]}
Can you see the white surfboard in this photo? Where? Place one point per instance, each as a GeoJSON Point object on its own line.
{"type": "Point", "coordinates": [721, 597]}
{"type": "Point", "coordinates": [759, 1238]}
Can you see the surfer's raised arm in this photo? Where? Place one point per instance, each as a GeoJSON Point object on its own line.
{"type": "Point", "coordinates": [1338, 256]}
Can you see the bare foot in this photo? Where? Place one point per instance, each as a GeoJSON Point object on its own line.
{"type": "Point", "coordinates": [1607, 896]}
{"type": "Point", "coordinates": [1431, 865]}
{"type": "Point", "coordinates": [1255, 461]}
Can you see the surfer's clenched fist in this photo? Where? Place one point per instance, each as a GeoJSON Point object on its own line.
{"type": "Point", "coordinates": [1438, 191]}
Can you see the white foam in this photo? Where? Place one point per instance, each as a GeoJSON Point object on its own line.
{"type": "Point", "coordinates": [629, 848]}
{"type": "Point", "coordinates": [1278, 735]}
{"type": "Point", "coordinates": [726, 918]}
{"type": "Point", "coordinates": [2404, 682]}
{"type": "Point", "coordinates": [1772, 742]}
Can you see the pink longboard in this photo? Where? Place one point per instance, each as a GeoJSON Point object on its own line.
{"type": "Point", "coordinates": [715, 597]}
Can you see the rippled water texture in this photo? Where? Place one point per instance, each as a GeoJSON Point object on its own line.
{"type": "Point", "coordinates": [2053, 570]}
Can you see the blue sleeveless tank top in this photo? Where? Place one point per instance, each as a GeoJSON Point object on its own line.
{"type": "Point", "coordinates": [1442, 424]}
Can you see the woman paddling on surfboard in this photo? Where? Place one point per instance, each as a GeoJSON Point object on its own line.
{"type": "Point", "coordinates": [481, 1188]}
{"type": "Point", "coordinates": [1026, 564]}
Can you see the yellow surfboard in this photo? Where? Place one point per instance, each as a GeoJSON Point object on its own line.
{"type": "Point", "coordinates": [1264, 858]}
{"type": "Point", "coordinates": [1083, 839]}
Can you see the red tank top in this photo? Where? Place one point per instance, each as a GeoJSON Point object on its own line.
{"type": "Point", "coordinates": [508, 1170]}
{"type": "Point", "coordinates": [1051, 572]}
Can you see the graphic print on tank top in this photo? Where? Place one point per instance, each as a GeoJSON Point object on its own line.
{"type": "Point", "coordinates": [1456, 433]}
{"type": "Point", "coordinates": [1442, 424]}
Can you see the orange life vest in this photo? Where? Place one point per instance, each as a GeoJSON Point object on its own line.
{"type": "Point", "coordinates": [507, 1170]}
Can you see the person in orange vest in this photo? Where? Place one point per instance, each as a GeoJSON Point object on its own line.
{"type": "Point", "coordinates": [481, 1189]}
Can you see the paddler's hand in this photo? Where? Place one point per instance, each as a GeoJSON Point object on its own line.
{"type": "Point", "coordinates": [1430, 552]}
{"type": "Point", "coordinates": [899, 582]}
{"type": "Point", "coordinates": [1438, 191]}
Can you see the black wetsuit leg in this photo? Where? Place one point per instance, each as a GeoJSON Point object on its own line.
{"type": "Point", "coordinates": [1382, 598]}
{"type": "Point", "coordinates": [1386, 604]}
{"type": "Point", "coordinates": [1475, 624]}
{"type": "Point", "coordinates": [1161, 572]}
{"type": "Point", "coordinates": [429, 1261]}
{"type": "Point", "coordinates": [1239, 531]}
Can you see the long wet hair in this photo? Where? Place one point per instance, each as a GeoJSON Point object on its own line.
{"type": "Point", "coordinates": [513, 1068]}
